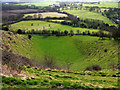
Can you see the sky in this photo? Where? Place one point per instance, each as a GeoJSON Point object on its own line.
{"type": "Point", "coordinates": [56, 0]}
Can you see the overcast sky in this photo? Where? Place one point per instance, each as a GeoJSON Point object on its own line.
{"type": "Point", "coordinates": [55, 0]}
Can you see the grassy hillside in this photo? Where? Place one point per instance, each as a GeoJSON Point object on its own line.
{"type": "Point", "coordinates": [38, 78]}
{"type": "Point", "coordinates": [85, 14]}
{"type": "Point", "coordinates": [39, 3]}
{"type": "Point", "coordinates": [82, 51]}
{"type": "Point", "coordinates": [40, 25]}
{"type": "Point", "coordinates": [104, 4]}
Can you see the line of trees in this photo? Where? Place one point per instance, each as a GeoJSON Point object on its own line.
{"type": "Point", "coordinates": [113, 14]}
{"type": "Point", "coordinates": [13, 6]}
{"type": "Point", "coordinates": [113, 33]}
{"type": "Point", "coordinates": [64, 33]}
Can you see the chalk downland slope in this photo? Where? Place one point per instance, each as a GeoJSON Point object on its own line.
{"type": "Point", "coordinates": [81, 51]}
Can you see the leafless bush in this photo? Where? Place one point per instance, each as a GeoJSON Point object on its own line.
{"type": "Point", "coordinates": [49, 62]}
{"type": "Point", "coordinates": [93, 67]}
{"type": "Point", "coordinates": [16, 62]}
{"type": "Point", "coordinates": [68, 64]}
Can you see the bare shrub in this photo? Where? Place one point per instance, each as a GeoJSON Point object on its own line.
{"type": "Point", "coordinates": [29, 37]}
{"type": "Point", "coordinates": [49, 62]}
{"type": "Point", "coordinates": [68, 64]}
{"type": "Point", "coordinates": [93, 67]}
{"type": "Point", "coordinates": [118, 67]}
{"type": "Point", "coordinates": [16, 62]}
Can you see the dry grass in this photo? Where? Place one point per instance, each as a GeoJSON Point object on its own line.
{"type": "Point", "coordinates": [47, 14]}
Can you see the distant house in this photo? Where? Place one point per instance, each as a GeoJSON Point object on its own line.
{"type": "Point", "coordinates": [50, 5]}
{"type": "Point", "coordinates": [6, 3]}
{"type": "Point", "coordinates": [118, 20]}
{"type": "Point", "coordinates": [54, 5]}
{"type": "Point", "coordinates": [75, 16]}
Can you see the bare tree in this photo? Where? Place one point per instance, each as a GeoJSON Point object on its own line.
{"type": "Point", "coordinates": [68, 64]}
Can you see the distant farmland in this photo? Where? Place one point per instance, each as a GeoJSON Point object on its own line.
{"type": "Point", "coordinates": [17, 12]}
{"type": "Point", "coordinates": [85, 14]}
{"type": "Point", "coordinates": [47, 14]}
{"type": "Point", "coordinates": [38, 4]}
{"type": "Point", "coordinates": [104, 4]}
{"type": "Point", "coordinates": [22, 11]}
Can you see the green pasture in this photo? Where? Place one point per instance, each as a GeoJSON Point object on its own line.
{"type": "Point", "coordinates": [40, 25]}
{"type": "Point", "coordinates": [85, 14]}
{"type": "Point", "coordinates": [60, 20]}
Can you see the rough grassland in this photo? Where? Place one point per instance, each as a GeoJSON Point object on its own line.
{"type": "Point", "coordinates": [85, 14]}
{"type": "Point", "coordinates": [47, 14]}
{"type": "Point", "coordinates": [40, 25]}
{"type": "Point", "coordinates": [38, 78]}
{"type": "Point", "coordinates": [38, 4]}
{"type": "Point", "coordinates": [82, 51]}
{"type": "Point", "coordinates": [104, 4]}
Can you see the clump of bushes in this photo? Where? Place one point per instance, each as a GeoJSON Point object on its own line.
{"type": "Point", "coordinates": [19, 31]}
{"type": "Point", "coordinates": [93, 68]}
{"type": "Point", "coordinates": [118, 67]}
{"type": "Point", "coordinates": [5, 28]}
{"type": "Point", "coordinates": [29, 37]}
{"type": "Point", "coordinates": [49, 62]}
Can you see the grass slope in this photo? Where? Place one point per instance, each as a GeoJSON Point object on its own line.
{"type": "Point", "coordinates": [104, 4]}
{"type": "Point", "coordinates": [82, 51]}
{"type": "Point", "coordinates": [38, 78]}
{"type": "Point", "coordinates": [39, 25]}
{"type": "Point", "coordinates": [85, 14]}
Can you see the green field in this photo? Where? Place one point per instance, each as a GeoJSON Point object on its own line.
{"type": "Point", "coordinates": [85, 14]}
{"type": "Point", "coordinates": [38, 4]}
{"type": "Point", "coordinates": [82, 51]}
{"type": "Point", "coordinates": [38, 78]}
{"type": "Point", "coordinates": [40, 25]}
{"type": "Point", "coordinates": [104, 4]}
{"type": "Point", "coordinates": [60, 20]}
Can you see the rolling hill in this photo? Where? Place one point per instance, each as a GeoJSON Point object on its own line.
{"type": "Point", "coordinates": [81, 51]}
{"type": "Point", "coordinates": [41, 25]}
{"type": "Point", "coordinates": [85, 14]}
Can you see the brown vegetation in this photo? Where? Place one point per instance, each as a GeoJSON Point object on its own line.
{"type": "Point", "coordinates": [22, 11]}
